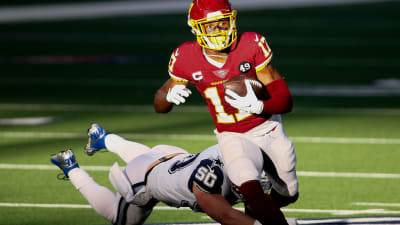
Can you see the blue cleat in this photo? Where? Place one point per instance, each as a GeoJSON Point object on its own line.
{"type": "Point", "coordinates": [65, 160]}
{"type": "Point", "coordinates": [97, 136]}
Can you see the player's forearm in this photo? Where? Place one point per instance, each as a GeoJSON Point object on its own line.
{"type": "Point", "coordinates": [161, 105]}
{"type": "Point", "coordinates": [235, 217]}
{"type": "Point", "coordinates": [280, 100]}
{"type": "Point", "coordinates": [219, 209]}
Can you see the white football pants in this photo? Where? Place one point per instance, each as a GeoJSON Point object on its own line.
{"type": "Point", "coordinates": [242, 155]}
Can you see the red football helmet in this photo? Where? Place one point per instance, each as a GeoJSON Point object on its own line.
{"type": "Point", "coordinates": [203, 12]}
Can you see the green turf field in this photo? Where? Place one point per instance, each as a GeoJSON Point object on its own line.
{"type": "Point", "coordinates": [348, 147]}
{"type": "Point", "coordinates": [319, 194]}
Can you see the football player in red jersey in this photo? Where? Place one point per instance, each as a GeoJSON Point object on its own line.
{"type": "Point", "coordinates": [220, 53]}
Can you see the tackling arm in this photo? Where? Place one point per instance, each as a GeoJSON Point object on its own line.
{"type": "Point", "coordinates": [219, 209]}
{"type": "Point", "coordinates": [171, 92]}
{"type": "Point", "coordinates": [280, 100]}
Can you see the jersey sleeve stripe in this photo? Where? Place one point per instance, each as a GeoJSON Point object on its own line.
{"type": "Point", "coordinates": [266, 62]}
{"type": "Point", "coordinates": [176, 78]}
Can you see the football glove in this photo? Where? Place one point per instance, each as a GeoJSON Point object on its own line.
{"type": "Point", "coordinates": [177, 94]}
{"type": "Point", "coordinates": [248, 103]}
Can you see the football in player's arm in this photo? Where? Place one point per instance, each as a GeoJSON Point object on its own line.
{"type": "Point", "coordinates": [176, 91]}
{"type": "Point", "coordinates": [220, 53]}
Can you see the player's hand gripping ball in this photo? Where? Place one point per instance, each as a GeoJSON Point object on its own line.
{"type": "Point", "coordinates": [245, 93]}
{"type": "Point", "coordinates": [237, 85]}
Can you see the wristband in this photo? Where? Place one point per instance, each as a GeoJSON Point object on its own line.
{"type": "Point", "coordinates": [277, 86]}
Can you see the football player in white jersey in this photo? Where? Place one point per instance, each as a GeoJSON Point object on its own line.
{"type": "Point", "coordinates": [163, 173]}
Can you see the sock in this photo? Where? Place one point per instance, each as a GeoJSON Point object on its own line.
{"type": "Point", "coordinates": [127, 150]}
{"type": "Point", "coordinates": [262, 207]}
{"type": "Point", "coordinates": [103, 201]}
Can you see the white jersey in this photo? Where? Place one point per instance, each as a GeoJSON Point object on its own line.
{"type": "Point", "coordinates": [171, 181]}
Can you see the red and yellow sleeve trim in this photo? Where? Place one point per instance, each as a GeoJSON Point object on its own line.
{"type": "Point", "coordinates": [265, 63]}
{"type": "Point", "coordinates": [176, 78]}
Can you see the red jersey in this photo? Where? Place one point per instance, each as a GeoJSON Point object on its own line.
{"type": "Point", "coordinates": [249, 53]}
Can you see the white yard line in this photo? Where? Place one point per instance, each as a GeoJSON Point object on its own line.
{"type": "Point", "coordinates": [348, 175]}
{"type": "Point", "coordinates": [381, 204]}
{"type": "Point", "coordinates": [299, 173]}
{"type": "Point", "coordinates": [34, 205]}
{"type": "Point", "coordinates": [87, 108]}
{"type": "Point", "coordinates": [183, 109]}
{"type": "Point", "coordinates": [27, 121]}
{"type": "Point", "coordinates": [65, 11]}
{"type": "Point", "coordinates": [48, 135]}
{"type": "Point", "coordinates": [322, 211]}
{"type": "Point", "coordinates": [344, 140]}
{"type": "Point", "coordinates": [48, 167]}
{"type": "Point", "coordinates": [199, 137]}
{"type": "Point", "coordinates": [359, 221]}
{"type": "Point", "coordinates": [343, 212]}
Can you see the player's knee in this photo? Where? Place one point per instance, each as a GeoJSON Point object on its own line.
{"type": "Point", "coordinates": [242, 170]}
{"type": "Point", "coordinates": [282, 200]}
{"type": "Point", "coordinates": [254, 196]}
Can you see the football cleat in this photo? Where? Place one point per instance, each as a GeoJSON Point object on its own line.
{"type": "Point", "coordinates": [97, 136]}
{"type": "Point", "coordinates": [65, 160]}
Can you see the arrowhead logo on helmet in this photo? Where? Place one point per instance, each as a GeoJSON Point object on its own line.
{"type": "Point", "coordinates": [203, 12]}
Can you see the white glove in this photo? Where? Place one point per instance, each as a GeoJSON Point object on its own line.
{"type": "Point", "coordinates": [177, 94]}
{"type": "Point", "coordinates": [248, 103]}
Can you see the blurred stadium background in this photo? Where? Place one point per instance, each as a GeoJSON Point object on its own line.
{"type": "Point", "coordinates": [65, 64]}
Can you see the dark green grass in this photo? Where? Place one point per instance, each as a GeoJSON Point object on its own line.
{"type": "Point", "coordinates": [34, 186]}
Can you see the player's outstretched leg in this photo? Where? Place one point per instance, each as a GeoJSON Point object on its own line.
{"type": "Point", "coordinates": [100, 138]}
{"type": "Point", "coordinates": [102, 200]}
{"type": "Point", "coordinates": [65, 160]}
{"type": "Point", "coordinates": [96, 142]}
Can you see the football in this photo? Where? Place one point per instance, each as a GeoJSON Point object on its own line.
{"type": "Point", "coordinates": [237, 85]}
